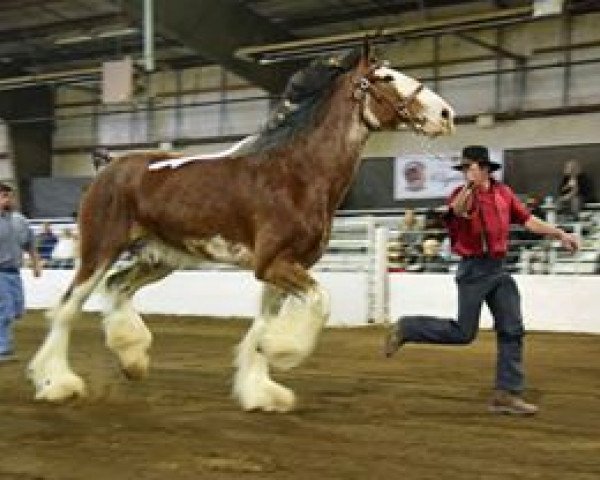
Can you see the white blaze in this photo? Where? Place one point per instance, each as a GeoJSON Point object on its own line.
{"type": "Point", "coordinates": [433, 104]}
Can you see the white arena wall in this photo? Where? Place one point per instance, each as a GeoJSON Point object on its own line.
{"type": "Point", "coordinates": [550, 303]}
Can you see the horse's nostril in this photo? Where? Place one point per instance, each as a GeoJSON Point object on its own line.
{"type": "Point", "coordinates": [446, 114]}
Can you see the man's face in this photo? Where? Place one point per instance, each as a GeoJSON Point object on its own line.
{"type": "Point", "coordinates": [475, 173]}
{"type": "Point", "coordinates": [6, 201]}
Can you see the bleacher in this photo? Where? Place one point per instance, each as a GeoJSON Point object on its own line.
{"type": "Point", "coordinates": [526, 256]}
{"type": "Point", "coordinates": [350, 244]}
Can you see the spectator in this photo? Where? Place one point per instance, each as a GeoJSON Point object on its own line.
{"type": "Point", "coordinates": [410, 230]}
{"type": "Point", "coordinates": [410, 237]}
{"type": "Point", "coordinates": [574, 191]}
{"type": "Point", "coordinates": [65, 250]}
{"type": "Point", "coordinates": [434, 224]}
{"type": "Point", "coordinates": [45, 242]}
{"type": "Point", "coordinates": [15, 237]}
{"type": "Point", "coordinates": [432, 259]}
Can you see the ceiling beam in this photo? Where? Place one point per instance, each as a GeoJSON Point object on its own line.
{"type": "Point", "coordinates": [216, 30]}
{"type": "Point", "coordinates": [490, 46]}
{"type": "Point", "coordinates": [62, 27]}
{"type": "Point", "coordinates": [362, 12]}
{"type": "Point", "coordinates": [461, 23]}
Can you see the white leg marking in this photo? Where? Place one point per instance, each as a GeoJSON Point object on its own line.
{"type": "Point", "coordinates": [49, 369]}
{"type": "Point", "coordinates": [282, 339]}
{"type": "Point", "coordinates": [127, 336]}
{"type": "Point", "coordinates": [292, 335]}
{"type": "Point", "coordinates": [252, 386]}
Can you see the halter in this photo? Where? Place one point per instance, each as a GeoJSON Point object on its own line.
{"type": "Point", "coordinates": [401, 108]}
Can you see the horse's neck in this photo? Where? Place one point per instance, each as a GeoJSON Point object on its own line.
{"type": "Point", "coordinates": [336, 142]}
{"type": "Point", "coordinates": [340, 134]}
{"type": "Point", "coordinates": [333, 144]}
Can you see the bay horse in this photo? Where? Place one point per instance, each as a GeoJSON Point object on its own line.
{"type": "Point", "coordinates": [267, 207]}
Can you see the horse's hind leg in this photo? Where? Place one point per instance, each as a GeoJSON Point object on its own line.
{"type": "Point", "coordinates": [126, 334]}
{"type": "Point", "coordinates": [49, 369]}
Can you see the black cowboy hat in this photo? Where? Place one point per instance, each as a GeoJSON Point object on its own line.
{"type": "Point", "coordinates": [479, 154]}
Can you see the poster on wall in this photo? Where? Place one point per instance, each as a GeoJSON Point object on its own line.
{"type": "Point", "coordinates": [429, 175]}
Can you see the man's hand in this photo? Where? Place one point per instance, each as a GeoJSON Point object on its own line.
{"type": "Point", "coordinates": [36, 263]}
{"type": "Point", "coordinates": [462, 203]}
{"type": "Point", "coordinates": [570, 242]}
{"type": "Point", "coordinates": [36, 268]}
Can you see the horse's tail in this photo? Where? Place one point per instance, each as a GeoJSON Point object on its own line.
{"type": "Point", "coordinates": [104, 224]}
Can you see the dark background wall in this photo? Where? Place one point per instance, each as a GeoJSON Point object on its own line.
{"type": "Point", "coordinates": [53, 197]}
{"type": "Point", "coordinates": [539, 170]}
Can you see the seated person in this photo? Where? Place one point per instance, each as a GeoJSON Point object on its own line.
{"type": "Point", "coordinates": [45, 242]}
{"type": "Point", "coordinates": [410, 233]}
{"type": "Point", "coordinates": [434, 224]}
{"type": "Point", "coordinates": [431, 259]}
{"type": "Point", "coordinates": [574, 191]}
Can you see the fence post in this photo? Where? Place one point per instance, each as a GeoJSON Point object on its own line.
{"type": "Point", "coordinates": [379, 278]}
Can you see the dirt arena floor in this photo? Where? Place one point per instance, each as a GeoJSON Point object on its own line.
{"type": "Point", "coordinates": [421, 415]}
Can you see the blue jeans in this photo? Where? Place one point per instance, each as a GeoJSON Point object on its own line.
{"type": "Point", "coordinates": [479, 280]}
{"type": "Point", "coordinates": [12, 305]}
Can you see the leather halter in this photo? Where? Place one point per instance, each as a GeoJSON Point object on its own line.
{"type": "Point", "coordinates": [401, 108]}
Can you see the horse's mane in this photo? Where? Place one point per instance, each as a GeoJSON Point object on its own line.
{"type": "Point", "coordinates": [305, 92]}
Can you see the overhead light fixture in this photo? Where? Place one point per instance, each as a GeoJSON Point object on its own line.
{"type": "Point", "coordinates": [123, 32]}
{"type": "Point", "coordinates": [542, 8]}
{"type": "Point", "coordinates": [72, 40]}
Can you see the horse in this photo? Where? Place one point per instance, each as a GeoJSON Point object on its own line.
{"type": "Point", "coordinates": [266, 206]}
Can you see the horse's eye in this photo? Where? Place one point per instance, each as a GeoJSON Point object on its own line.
{"type": "Point", "coordinates": [388, 78]}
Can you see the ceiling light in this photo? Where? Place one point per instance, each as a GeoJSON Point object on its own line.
{"type": "Point", "coordinates": [123, 32]}
{"type": "Point", "coordinates": [71, 40]}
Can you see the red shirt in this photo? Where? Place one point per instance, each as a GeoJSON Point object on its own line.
{"type": "Point", "coordinates": [491, 213]}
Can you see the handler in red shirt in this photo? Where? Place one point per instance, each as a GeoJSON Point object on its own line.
{"type": "Point", "coordinates": [478, 220]}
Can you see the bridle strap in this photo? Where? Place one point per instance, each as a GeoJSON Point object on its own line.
{"type": "Point", "coordinates": [401, 108]}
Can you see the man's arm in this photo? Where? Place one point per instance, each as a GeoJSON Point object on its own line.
{"type": "Point", "coordinates": [461, 203]}
{"type": "Point", "coordinates": [36, 263]}
{"type": "Point", "coordinates": [569, 241]}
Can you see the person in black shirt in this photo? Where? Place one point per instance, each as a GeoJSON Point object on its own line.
{"type": "Point", "coordinates": [574, 191]}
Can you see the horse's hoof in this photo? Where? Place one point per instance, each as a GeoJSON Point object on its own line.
{"type": "Point", "coordinates": [275, 398]}
{"type": "Point", "coordinates": [60, 390]}
{"type": "Point", "coordinates": [136, 370]}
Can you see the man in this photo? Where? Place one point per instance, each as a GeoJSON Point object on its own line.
{"type": "Point", "coordinates": [478, 218]}
{"type": "Point", "coordinates": [15, 236]}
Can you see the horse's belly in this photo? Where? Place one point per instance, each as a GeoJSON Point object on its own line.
{"type": "Point", "coordinates": [218, 249]}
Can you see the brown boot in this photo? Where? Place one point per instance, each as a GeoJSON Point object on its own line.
{"type": "Point", "coordinates": [511, 404]}
{"type": "Point", "coordinates": [393, 339]}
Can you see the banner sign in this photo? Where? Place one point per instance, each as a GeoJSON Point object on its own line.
{"type": "Point", "coordinates": [431, 175]}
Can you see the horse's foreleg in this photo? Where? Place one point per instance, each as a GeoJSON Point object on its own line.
{"type": "Point", "coordinates": [291, 336]}
{"type": "Point", "coordinates": [252, 385]}
{"type": "Point", "coordinates": [49, 369]}
{"type": "Point", "coordinates": [126, 333]}
{"type": "Point", "coordinates": [283, 335]}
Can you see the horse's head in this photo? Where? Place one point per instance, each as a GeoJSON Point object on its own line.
{"type": "Point", "coordinates": [392, 99]}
